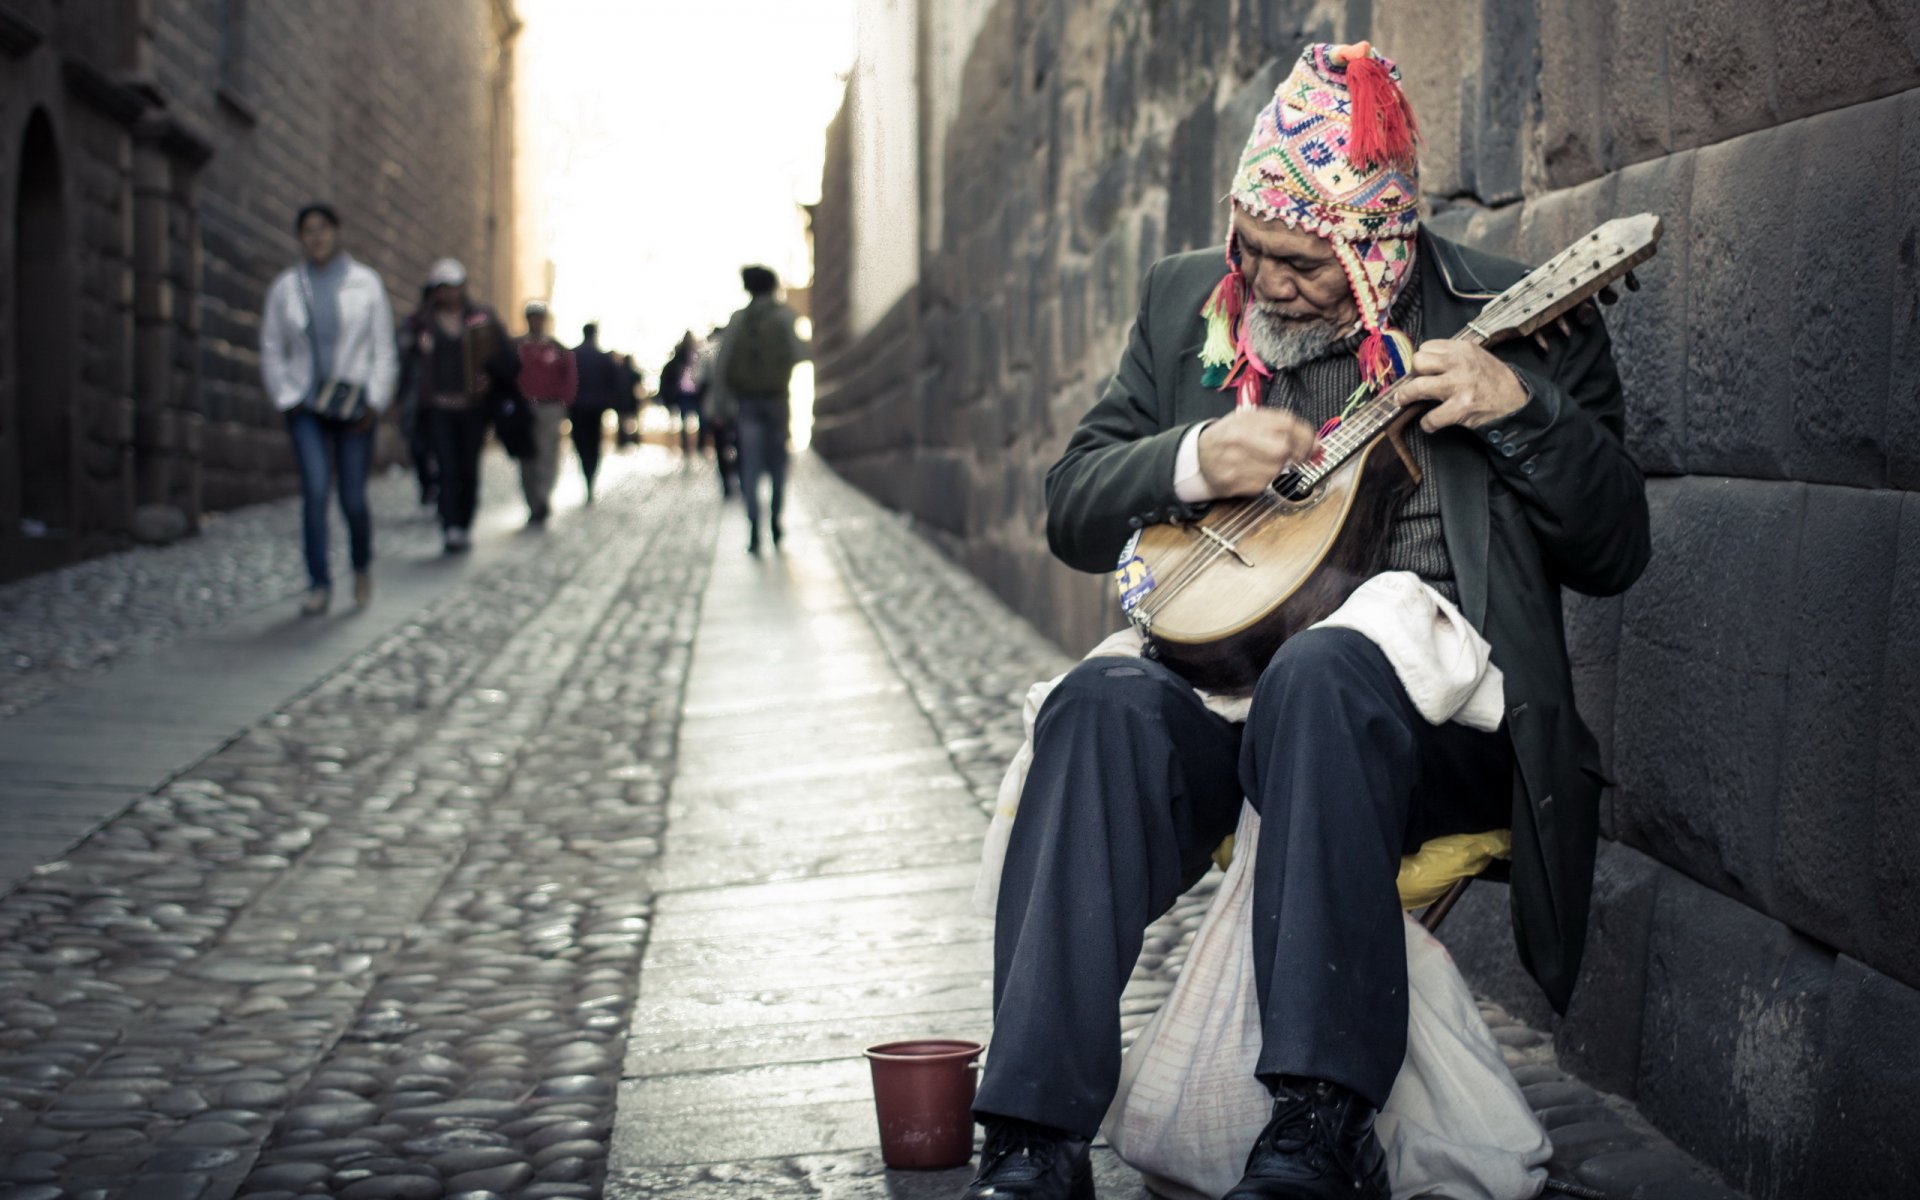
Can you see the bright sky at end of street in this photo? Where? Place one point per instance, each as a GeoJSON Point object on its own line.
{"type": "Point", "coordinates": [662, 145]}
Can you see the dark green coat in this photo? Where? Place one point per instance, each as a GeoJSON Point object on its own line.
{"type": "Point", "coordinates": [1543, 499]}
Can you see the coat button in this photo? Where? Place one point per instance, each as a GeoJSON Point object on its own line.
{"type": "Point", "coordinates": [1508, 449]}
{"type": "Point", "coordinates": [1493, 435]}
{"type": "Point", "coordinates": [1526, 468]}
{"type": "Point", "coordinates": [1134, 522]}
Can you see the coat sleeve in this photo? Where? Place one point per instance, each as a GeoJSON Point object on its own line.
{"type": "Point", "coordinates": [1564, 455]}
{"type": "Point", "coordinates": [1118, 465]}
{"type": "Point", "coordinates": [720, 400]}
{"type": "Point", "coordinates": [385, 381]}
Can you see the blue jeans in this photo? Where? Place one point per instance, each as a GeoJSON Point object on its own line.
{"type": "Point", "coordinates": [763, 451]}
{"type": "Point", "coordinates": [324, 449]}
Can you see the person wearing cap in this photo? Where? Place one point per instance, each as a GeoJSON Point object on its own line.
{"type": "Point", "coordinates": [327, 328]}
{"type": "Point", "coordinates": [460, 363]}
{"type": "Point", "coordinates": [548, 381]}
{"type": "Point", "coordinates": [1330, 283]}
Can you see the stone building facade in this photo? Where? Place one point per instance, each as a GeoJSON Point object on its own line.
{"type": "Point", "coordinates": [1753, 974]}
{"type": "Point", "coordinates": [157, 151]}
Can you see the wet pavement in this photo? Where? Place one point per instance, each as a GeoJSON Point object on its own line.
{"type": "Point", "coordinates": [583, 866]}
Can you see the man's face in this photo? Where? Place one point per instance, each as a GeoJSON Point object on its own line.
{"type": "Point", "coordinates": [1295, 277]}
{"type": "Point", "coordinates": [319, 238]}
{"type": "Point", "coordinates": [449, 296]}
{"type": "Point", "coordinates": [537, 324]}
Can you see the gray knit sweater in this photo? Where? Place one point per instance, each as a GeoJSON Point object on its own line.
{"type": "Point", "coordinates": [1317, 390]}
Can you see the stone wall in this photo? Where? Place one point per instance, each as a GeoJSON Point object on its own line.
{"type": "Point", "coordinates": [1752, 974]}
{"type": "Point", "coordinates": [188, 132]}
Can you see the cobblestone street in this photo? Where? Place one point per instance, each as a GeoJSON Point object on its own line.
{"type": "Point", "coordinates": [585, 867]}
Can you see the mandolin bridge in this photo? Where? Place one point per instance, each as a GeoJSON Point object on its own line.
{"type": "Point", "coordinates": [1228, 544]}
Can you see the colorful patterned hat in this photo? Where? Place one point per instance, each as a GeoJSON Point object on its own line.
{"type": "Point", "coordinates": [1333, 155]}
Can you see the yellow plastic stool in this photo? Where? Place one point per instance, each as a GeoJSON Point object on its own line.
{"type": "Point", "coordinates": [1435, 876]}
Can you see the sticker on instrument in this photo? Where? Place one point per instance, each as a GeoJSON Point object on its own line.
{"type": "Point", "coordinates": [1134, 579]}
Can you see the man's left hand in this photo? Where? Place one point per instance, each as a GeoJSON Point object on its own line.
{"type": "Point", "coordinates": [1472, 386]}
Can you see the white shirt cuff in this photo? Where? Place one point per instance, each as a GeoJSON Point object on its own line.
{"type": "Point", "coordinates": [1189, 485]}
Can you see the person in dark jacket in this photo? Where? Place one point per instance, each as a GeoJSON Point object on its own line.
{"type": "Point", "coordinates": [460, 364]}
{"type": "Point", "coordinates": [599, 390]}
{"type": "Point", "coordinates": [680, 392]}
{"type": "Point", "coordinates": [1525, 488]}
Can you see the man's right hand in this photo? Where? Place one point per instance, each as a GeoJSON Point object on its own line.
{"type": "Point", "coordinates": [1248, 448]}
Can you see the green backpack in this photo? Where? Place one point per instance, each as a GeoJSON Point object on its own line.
{"type": "Point", "coordinates": [761, 361]}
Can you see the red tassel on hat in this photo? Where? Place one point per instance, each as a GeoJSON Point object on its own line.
{"type": "Point", "coordinates": [1384, 130]}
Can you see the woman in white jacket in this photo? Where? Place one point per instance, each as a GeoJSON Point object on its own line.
{"type": "Point", "coordinates": [326, 342]}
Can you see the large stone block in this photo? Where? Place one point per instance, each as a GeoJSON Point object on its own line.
{"type": "Point", "coordinates": [1824, 65]}
{"type": "Point", "coordinates": [1194, 185]}
{"type": "Point", "coordinates": [1650, 327]}
{"type": "Point", "coordinates": [1838, 595]}
{"type": "Point", "coordinates": [1732, 1060]}
{"type": "Point", "coordinates": [1903, 306]}
{"type": "Point", "coordinates": [1503, 100]}
{"type": "Point", "coordinates": [1838, 377]}
{"type": "Point", "coordinates": [1893, 862]}
{"type": "Point", "coordinates": [1721, 67]}
{"type": "Point", "coordinates": [1701, 706]}
{"type": "Point", "coordinates": [1741, 327]}
{"type": "Point", "coordinates": [1235, 122]}
{"type": "Point", "coordinates": [1575, 104]}
{"type": "Point", "coordinates": [1600, 1037]}
{"type": "Point", "coordinates": [1866, 1140]}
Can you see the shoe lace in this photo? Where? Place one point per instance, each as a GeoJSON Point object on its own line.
{"type": "Point", "coordinates": [1034, 1144]}
{"type": "Point", "coordinates": [1300, 1125]}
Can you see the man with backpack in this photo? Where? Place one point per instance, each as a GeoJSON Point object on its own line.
{"type": "Point", "coordinates": [750, 381]}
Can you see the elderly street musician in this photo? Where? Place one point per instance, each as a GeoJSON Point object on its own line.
{"type": "Point", "coordinates": [1332, 292]}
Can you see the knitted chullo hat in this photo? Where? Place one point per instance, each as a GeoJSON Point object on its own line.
{"type": "Point", "coordinates": [1333, 155]}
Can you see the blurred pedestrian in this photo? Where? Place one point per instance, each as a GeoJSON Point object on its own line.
{"type": "Point", "coordinates": [750, 382]}
{"type": "Point", "coordinates": [548, 381]}
{"type": "Point", "coordinates": [462, 363]}
{"type": "Point", "coordinates": [715, 429]}
{"type": "Point", "coordinates": [327, 360]}
{"type": "Point", "coordinates": [426, 469]}
{"type": "Point", "coordinates": [626, 428]}
{"type": "Point", "coordinates": [680, 393]}
{"type": "Point", "coordinates": [599, 390]}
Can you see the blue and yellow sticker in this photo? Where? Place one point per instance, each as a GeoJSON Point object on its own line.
{"type": "Point", "coordinates": [1132, 577]}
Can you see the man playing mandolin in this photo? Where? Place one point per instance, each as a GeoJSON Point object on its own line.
{"type": "Point", "coordinates": [1523, 488]}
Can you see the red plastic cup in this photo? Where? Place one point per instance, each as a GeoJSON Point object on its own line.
{"type": "Point", "coordinates": [923, 1096]}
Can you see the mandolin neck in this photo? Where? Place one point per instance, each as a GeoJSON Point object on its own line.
{"type": "Point", "coordinates": [1362, 426]}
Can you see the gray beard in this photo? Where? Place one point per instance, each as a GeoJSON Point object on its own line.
{"type": "Point", "coordinates": [1285, 345]}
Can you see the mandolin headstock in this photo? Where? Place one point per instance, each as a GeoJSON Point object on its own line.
{"type": "Point", "coordinates": [1569, 278]}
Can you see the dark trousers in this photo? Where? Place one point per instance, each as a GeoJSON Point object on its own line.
{"type": "Point", "coordinates": [763, 451]}
{"type": "Point", "coordinates": [457, 435]}
{"type": "Point", "coordinates": [587, 435]}
{"type": "Point", "coordinates": [326, 452]}
{"type": "Point", "coordinates": [1134, 783]}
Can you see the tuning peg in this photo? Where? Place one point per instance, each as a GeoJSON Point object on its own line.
{"type": "Point", "coordinates": [1540, 340]}
{"type": "Point", "coordinates": [1633, 282]}
{"type": "Point", "coordinates": [1566, 326]}
{"type": "Point", "coordinates": [1608, 295]}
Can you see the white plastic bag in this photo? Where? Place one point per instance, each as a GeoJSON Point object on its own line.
{"type": "Point", "coordinates": [1189, 1107]}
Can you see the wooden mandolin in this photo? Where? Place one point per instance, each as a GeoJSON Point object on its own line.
{"type": "Point", "coordinates": [1216, 596]}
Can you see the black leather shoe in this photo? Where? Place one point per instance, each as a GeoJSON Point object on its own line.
{"type": "Point", "coordinates": [1023, 1161]}
{"type": "Point", "coordinates": [1318, 1145]}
